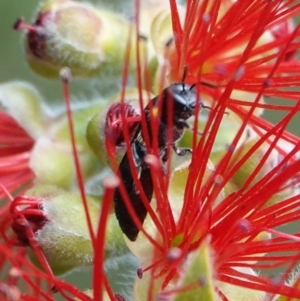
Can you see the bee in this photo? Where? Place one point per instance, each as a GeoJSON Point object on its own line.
{"type": "Point", "coordinates": [174, 106]}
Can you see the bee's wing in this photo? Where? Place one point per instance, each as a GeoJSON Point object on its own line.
{"type": "Point", "coordinates": [137, 151]}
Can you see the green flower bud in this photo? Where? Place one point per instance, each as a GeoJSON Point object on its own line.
{"type": "Point", "coordinates": [162, 30]}
{"type": "Point", "coordinates": [52, 164]}
{"type": "Point", "coordinates": [59, 132]}
{"type": "Point", "coordinates": [161, 33]}
{"type": "Point", "coordinates": [246, 170]}
{"type": "Point", "coordinates": [195, 282]}
{"type": "Point", "coordinates": [197, 276]}
{"type": "Point", "coordinates": [22, 101]}
{"type": "Point", "coordinates": [64, 237]}
{"type": "Point", "coordinates": [78, 36]}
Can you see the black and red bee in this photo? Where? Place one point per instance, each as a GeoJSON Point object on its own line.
{"type": "Point", "coordinates": [174, 106]}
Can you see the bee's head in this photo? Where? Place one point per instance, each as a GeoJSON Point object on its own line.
{"type": "Point", "coordinates": [184, 99]}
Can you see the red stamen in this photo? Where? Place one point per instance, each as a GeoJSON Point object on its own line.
{"type": "Point", "coordinates": [66, 78]}
{"type": "Point", "coordinates": [20, 24]}
{"type": "Point", "coordinates": [99, 278]}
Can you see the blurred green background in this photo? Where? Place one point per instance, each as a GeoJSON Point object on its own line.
{"type": "Point", "coordinates": [13, 66]}
{"type": "Point", "coordinates": [12, 63]}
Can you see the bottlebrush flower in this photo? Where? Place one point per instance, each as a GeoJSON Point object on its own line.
{"type": "Point", "coordinates": [21, 123]}
{"type": "Point", "coordinates": [43, 147]}
{"type": "Point", "coordinates": [213, 228]}
{"type": "Point", "coordinates": [104, 131]}
{"type": "Point", "coordinates": [16, 145]}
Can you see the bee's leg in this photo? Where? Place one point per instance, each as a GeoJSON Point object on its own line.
{"type": "Point", "coordinates": [164, 155]}
{"type": "Point", "coordinates": [139, 151]}
{"type": "Point", "coordinates": [181, 151]}
{"type": "Point", "coordinates": [182, 124]}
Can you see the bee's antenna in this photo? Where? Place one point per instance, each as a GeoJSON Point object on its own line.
{"type": "Point", "coordinates": [192, 87]}
{"type": "Point", "coordinates": [206, 84]}
{"type": "Point", "coordinates": [210, 108]}
{"type": "Point", "coordinates": [206, 107]}
{"type": "Point", "coordinates": [185, 70]}
{"type": "Point", "coordinates": [169, 42]}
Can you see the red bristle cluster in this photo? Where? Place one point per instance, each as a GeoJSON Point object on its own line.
{"type": "Point", "coordinates": [15, 147]}
{"type": "Point", "coordinates": [204, 43]}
